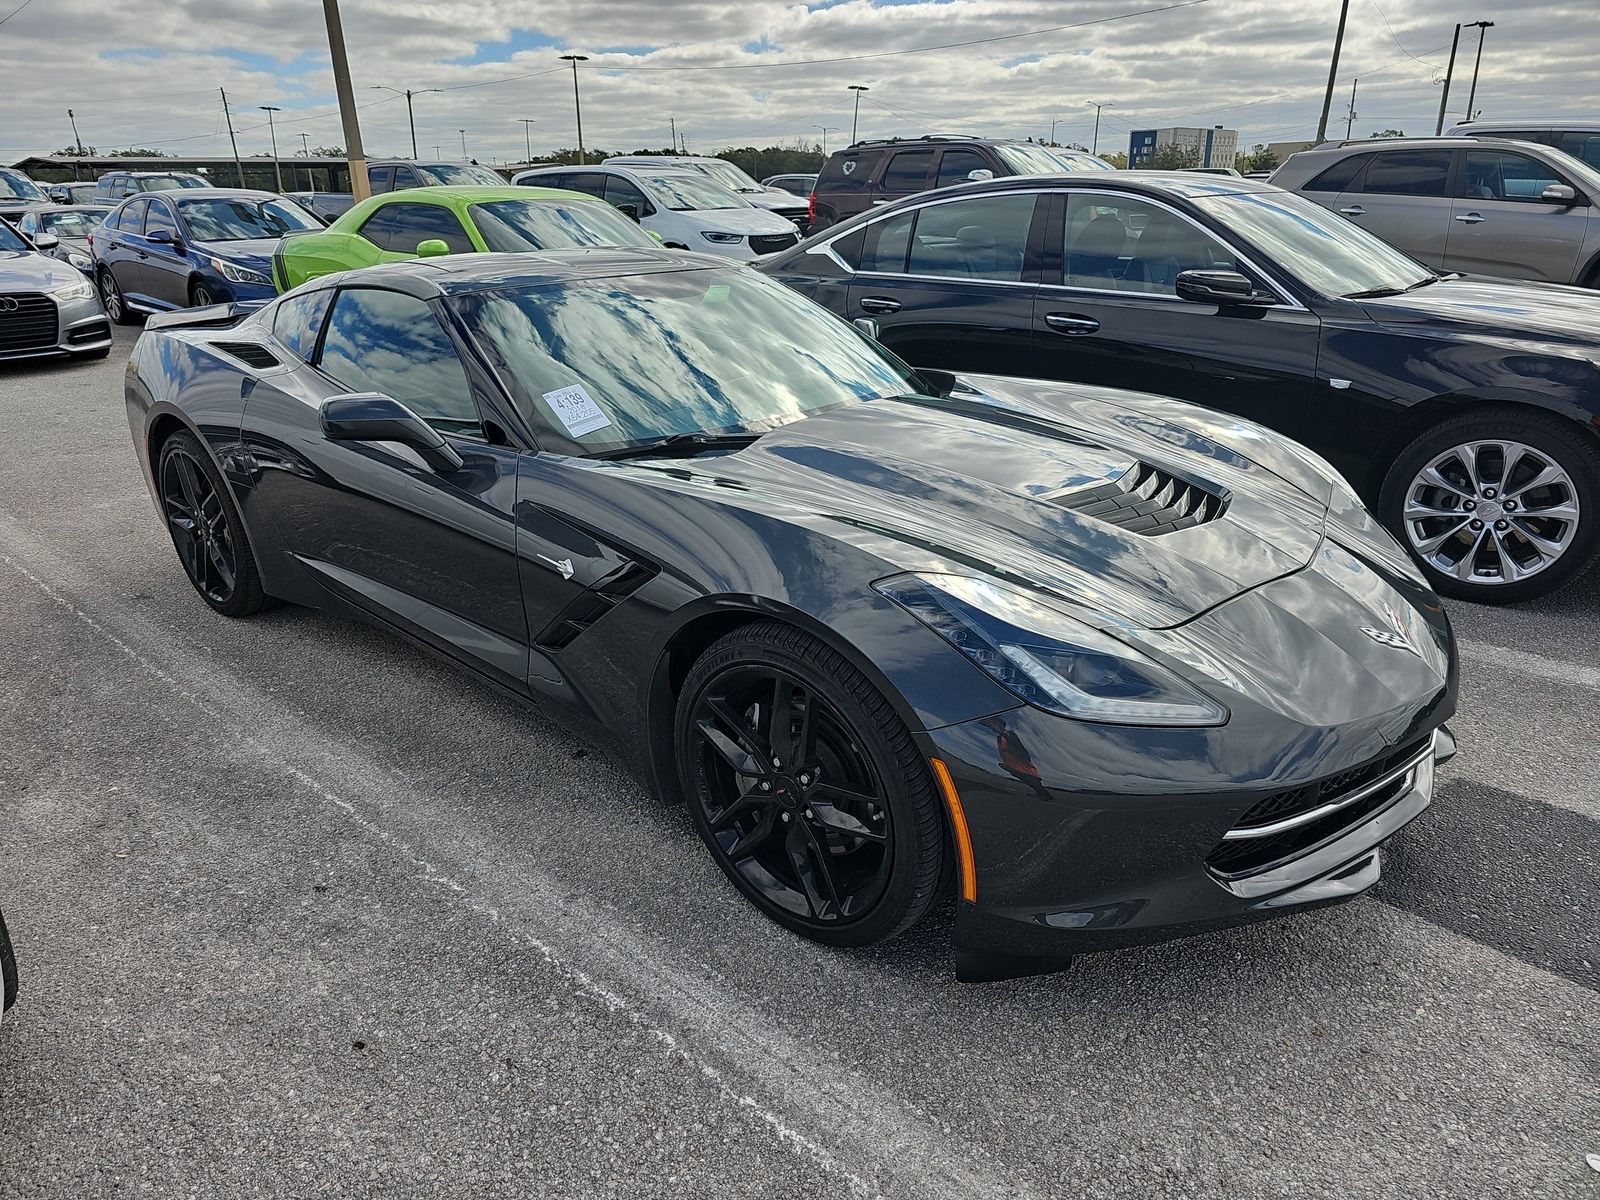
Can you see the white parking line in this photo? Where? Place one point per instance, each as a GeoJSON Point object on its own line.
{"type": "Point", "coordinates": [1554, 670]}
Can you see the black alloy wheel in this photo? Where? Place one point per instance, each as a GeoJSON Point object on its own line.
{"type": "Point", "coordinates": [111, 296]}
{"type": "Point", "coordinates": [206, 530]}
{"type": "Point", "coordinates": [807, 788]}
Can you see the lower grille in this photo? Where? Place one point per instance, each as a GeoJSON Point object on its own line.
{"type": "Point", "coordinates": [771, 243]}
{"type": "Point", "coordinates": [32, 325]}
{"type": "Point", "coordinates": [1290, 823]}
{"type": "Point", "coordinates": [1147, 500]}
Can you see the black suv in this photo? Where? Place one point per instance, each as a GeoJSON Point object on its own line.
{"type": "Point", "coordinates": [119, 185]}
{"type": "Point", "coordinates": [878, 172]}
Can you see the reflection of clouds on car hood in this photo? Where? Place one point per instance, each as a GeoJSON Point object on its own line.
{"type": "Point", "coordinates": [35, 272]}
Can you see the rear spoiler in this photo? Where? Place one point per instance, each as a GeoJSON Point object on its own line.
{"type": "Point", "coordinates": [215, 316]}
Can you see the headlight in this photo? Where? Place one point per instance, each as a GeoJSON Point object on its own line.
{"type": "Point", "coordinates": [82, 261]}
{"type": "Point", "coordinates": [81, 290]}
{"type": "Point", "coordinates": [722, 239]}
{"type": "Point", "coordinates": [1045, 657]}
{"type": "Point", "coordinates": [238, 274]}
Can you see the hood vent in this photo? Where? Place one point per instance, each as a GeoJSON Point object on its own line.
{"type": "Point", "coordinates": [249, 352]}
{"type": "Point", "coordinates": [1145, 500]}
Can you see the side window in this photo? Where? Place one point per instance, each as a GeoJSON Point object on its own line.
{"type": "Point", "coordinates": [1409, 173]}
{"type": "Point", "coordinates": [957, 164]}
{"type": "Point", "coordinates": [133, 216]}
{"type": "Point", "coordinates": [1120, 243]}
{"type": "Point", "coordinates": [887, 243]}
{"type": "Point", "coordinates": [298, 320]}
{"type": "Point", "coordinates": [549, 181]}
{"type": "Point", "coordinates": [381, 179]}
{"type": "Point", "coordinates": [590, 183]}
{"type": "Point", "coordinates": [620, 191]}
{"type": "Point", "coordinates": [159, 217]}
{"type": "Point", "coordinates": [1341, 176]}
{"type": "Point", "coordinates": [1582, 145]}
{"type": "Point", "coordinates": [380, 341]}
{"type": "Point", "coordinates": [1500, 175]}
{"type": "Point", "coordinates": [849, 172]}
{"type": "Point", "coordinates": [399, 228]}
{"type": "Point", "coordinates": [908, 171]}
{"type": "Point", "coordinates": [29, 224]}
{"type": "Point", "coordinates": [982, 238]}
{"type": "Point", "coordinates": [404, 177]}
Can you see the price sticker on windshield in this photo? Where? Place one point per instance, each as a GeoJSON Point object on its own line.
{"type": "Point", "coordinates": [576, 410]}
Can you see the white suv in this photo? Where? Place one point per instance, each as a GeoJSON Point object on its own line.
{"type": "Point", "coordinates": [684, 209]}
{"type": "Point", "coordinates": [729, 176]}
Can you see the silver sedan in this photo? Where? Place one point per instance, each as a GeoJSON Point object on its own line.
{"type": "Point", "coordinates": [47, 307]}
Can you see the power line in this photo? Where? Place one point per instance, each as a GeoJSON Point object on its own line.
{"type": "Point", "coordinates": [15, 11]}
{"type": "Point", "coordinates": [1396, 40]}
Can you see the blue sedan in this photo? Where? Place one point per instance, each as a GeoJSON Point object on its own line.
{"type": "Point", "coordinates": [188, 249]}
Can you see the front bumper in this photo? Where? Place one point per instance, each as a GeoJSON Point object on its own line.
{"type": "Point", "coordinates": [79, 326]}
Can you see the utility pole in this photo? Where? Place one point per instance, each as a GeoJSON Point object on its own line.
{"type": "Point", "coordinates": [305, 145]}
{"type": "Point", "coordinates": [577, 103]}
{"type": "Point", "coordinates": [1351, 120]}
{"type": "Point", "coordinates": [855, 119]}
{"type": "Point", "coordinates": [277, 167]}
{"type": "Point", "coordinates": [1483, 28]}
{"type": "Point", "coordinates": [825, 131]}
{"type": "Point", "coordinates": [228, 117]}
{"type": "Point", "coordinates": [527, 135]}
{"type": "Point", "coordinates": [1094, 147]}
{"type": "Point", "coordinates": [77, 141]}
{"type": "Point", "coordinates": [410, 115]}
{"type": "Point", "coordinates": [360, 185]}
{"type": "Point", "coordinates": [436, 151]}
{"type": "Point", "coordinates": [1333, 71]}
{"type": "Point", "coordinates": [1449, 71]}
{"type": "Point", "coordinates": [673, 121]}
{"type": "Point", "coordinates": [463, 134]}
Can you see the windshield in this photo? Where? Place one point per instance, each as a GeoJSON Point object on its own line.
{"type": "Point", "coordinates": [10, 240]}
{"type": "Point", "coordinates": [729, 176]}
{"type": "Point", "coordinates": [512, 226]}
{"type": "Point", "coordinates": [72, 222]}
{"type": "Point", "coordinates": [19, 187]}
{"type": "Point", "coordinates": [1320, 248]}
{"type": "Point", "coordinates": [238, 220]}
{"type": "Point", "coordinates": [462, 174]}
{"type": "Point", "coordinates": [683, 193]}
{"type": "Point", "coordinates": [169, 183]}
{"type": "Point", "coordinates": [1041, 160]}
{"type": "Point", "coordinates": [607, 363]}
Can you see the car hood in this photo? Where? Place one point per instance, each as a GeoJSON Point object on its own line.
{"type": "Point", "coordinates": [985, 482]}
{"type": "Point", "coordinates": [740, 220]}
{"type": "Point", "coordinates": [1479, 306]}
{"type": "Point", "coordinates": [28, 271]}
{"type": "Point", "coordinates": [784, 202]}
{"type": "Point", "coordinates": [255, 253]}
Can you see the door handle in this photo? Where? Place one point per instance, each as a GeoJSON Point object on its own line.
{"type": "Point", "coordinates": [1070, 323]}
{"type": "Point", "coordinates": [879, 304]}
{"type": "Point", "coordinates": [1470, 218]}
{"type": "Point", "coordinates": [1355, 210]}
{"type": "Point", "coordinates": [885, 200]}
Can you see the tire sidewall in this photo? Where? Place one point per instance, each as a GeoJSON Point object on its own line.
{"type": "Point", "coordinates": [240, 602]}
{"type": "Point", "coordinates": [1580, 460]}
{"type": "Point", "coordinates": [200, 296]}
{"type": "Point", "coordinates": [888, 915]}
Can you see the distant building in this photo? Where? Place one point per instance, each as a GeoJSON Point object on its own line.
{"type": "Point", "coordinates": [1213, 146]}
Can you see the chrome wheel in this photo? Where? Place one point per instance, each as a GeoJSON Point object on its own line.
{"type": "Point", "coordinates": [1491, 512]}
{"type": "Point", "coordinates": [111, 296]}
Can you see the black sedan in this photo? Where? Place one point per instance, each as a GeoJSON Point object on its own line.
{"type": "Point", "coordinates": [1108, 666]}
{"type": "Point", "coordinates": [1467, 410]}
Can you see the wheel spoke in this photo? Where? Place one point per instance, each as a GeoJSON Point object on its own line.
{"type": "Point", "coordinates": [731, 736]}
{"type": "Point", "coordinates": [1510, 569]}
{"type": "Point", "coordinates": [1429, 546]}
{"type": "Point", "coordinates": [1465, 565]}
{"type": "Point", "coordinates": [834, 818]}
{"type": "Point", "coordinates": [1564, 511]}
{"type": "Point", "coordinates": [836, 793]}
{"type": "Point", "coordinates": [1550, 474]}
{"type": "Point", "coordinates": [1416, 510]}
{"type": "Point", "coordinates": [188, 481]}
{"type": "Point", "coordinates": [1538, 541]}
{"type": "Point", "coordinates": [220, 563]}
{"type": "Point", "coordinates": [811, 868]}
{"type": "Point", "coordinates": [738, 808]}
{"type": "Point", "coordinates": [1432, 477]}
{"type": "Point", "coordinates": [748, 842]}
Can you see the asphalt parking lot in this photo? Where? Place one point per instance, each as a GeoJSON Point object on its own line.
{"type": "Point", "coordinates": [301, 912]}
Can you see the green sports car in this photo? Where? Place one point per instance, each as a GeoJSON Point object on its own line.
{"type": "Point", "coordinates": [422, 222]}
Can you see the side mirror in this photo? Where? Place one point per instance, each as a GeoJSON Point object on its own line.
{"type": "Point", "coordinates": [979, 174]}
{"type": "Point", "coordinates": [374, 417]}
{"type": "Point", "coordinates": [1217, 287]}
{"type": "Point", "coordinates": [432, 248]}
{"type": "Point", "coordinates": [868, 326]}
{"type": "Point", "coordinates": [161, 237]}
{"type": "Point", "coordinates": [1559, 193]}
{"type": "Point", "coordinates": [631, 211]}
{"type": "Point", "coordinates": [941, 382]}
{"type": "Point", "coordinates": [45, 241]}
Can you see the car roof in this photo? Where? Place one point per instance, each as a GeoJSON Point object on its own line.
{"type": "Point", "coordinates": [1185, 184]}
{"type": "Point", "coordinates": [624, 169]}
{"type": "Point", "coordinates": [424, 162]}
{"type": "Point", "coordinates": [459, 274]}
{"type": "Point", "coordinates": [1444, 143]}
{"type": "Point", "coordinates": [103, 206]}
{"type": "Point", "coordinates": [479, 193]}
{"type": "Point", "coordinates": [1542, 124]}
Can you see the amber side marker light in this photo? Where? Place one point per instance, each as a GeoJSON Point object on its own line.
{"type": "Point", "coordinates": [958, 823]}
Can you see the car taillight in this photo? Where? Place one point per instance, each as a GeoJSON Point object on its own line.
{"type": "Point", "coordinates": [811, 209]}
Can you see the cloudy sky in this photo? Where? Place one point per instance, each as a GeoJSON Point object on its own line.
{"type": "Point", "coordinates": [737, 72]}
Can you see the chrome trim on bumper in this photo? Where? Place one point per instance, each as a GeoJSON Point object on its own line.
{"type": "Point", "coordinates": [1333, 806]}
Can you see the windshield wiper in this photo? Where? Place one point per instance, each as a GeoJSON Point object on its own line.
{"type": "Point", "coordinates": [1374, 293]}
{"type": "Point", "coordinates": [681, 445]}
{"type": "Point", "coordinates": [1424, 282]}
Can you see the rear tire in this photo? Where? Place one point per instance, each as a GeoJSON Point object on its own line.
{"type": "Point", "coordinates": [1461, 498]}
{"type": "Point", "coordinates": [206, 529]}
{"type": "Point", "coordinates": [807, 788]}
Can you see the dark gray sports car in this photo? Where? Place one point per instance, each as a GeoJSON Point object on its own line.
{"type": "Point", "coordinates": [1106, 667]}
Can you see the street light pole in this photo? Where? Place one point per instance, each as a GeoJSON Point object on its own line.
{"type": "Point", "coordinates": [577, 102]}
{"type": "Point", "coordinates": [360, 185]}
{"type": "Point", "coordinates": [410, 115]}
{"type": "Point", "coordinates": [1333, 71]}
{"type": "Point", "coordinates": [463, 134]}
{"type": "Point", "coordinates": [1094, 145]}
{"type": "Point", "coordinates": [1351, 119]}
{"type": "Point", "coordinates": [1448, 72]}
{"type": "Point", "coordinates": [825, 130]}
{"type": "Point", "coordinates": [1483, 28]}
{"type": "Point", "coordinates": [277, 167]}
{"type": "Point", "coordinates": [527, 135]}
{"type": "Point", "coordinates": [855, 119]}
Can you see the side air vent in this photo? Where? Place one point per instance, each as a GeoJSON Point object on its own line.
{"type": "Point", "coordinates": [595, 603]}
{"type": "Point", "coordinates": [1146, 500]}
{"type": "Point", "coordinates": [249, 353]}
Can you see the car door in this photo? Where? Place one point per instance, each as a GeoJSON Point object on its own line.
{"type": "Point", "coordinates": [398, 229]}
{"type": "Point", "coordinates": [166, 263]}
{"type": "Point", "coordinates": [1501, 225]}
{"type": "Point", "coordinates": [1404, 197]}
{"type": "Point", "coordinates": [905, 174]}
{"type": "Point", "coordinates": [430, 552]}
{"type": "Point", "coordinates": [624, 195]}
{"type": "Point", "coordinates": [405, 177]}
{"type": "Point", "coordinates": [951, 283]}
{"type": "Point", "coordinates": [126, 256]}
{"type": "Point", "coordinates": [1108, 313]}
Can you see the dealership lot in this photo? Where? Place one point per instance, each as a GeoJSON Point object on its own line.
{"type": "Point", "coordinates": [302, 912]}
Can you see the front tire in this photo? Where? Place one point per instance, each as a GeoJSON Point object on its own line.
{"type": "Point", "coordinates": [206, 529]}
{"type": "Point", "coordinates": [116, 305]}
{"type": "Point", "coordinates": [200, 295]}
{"type": "Point", "coordinates": [807, 787]}
{"type": "Point", "coordinates": [1498, 507]}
